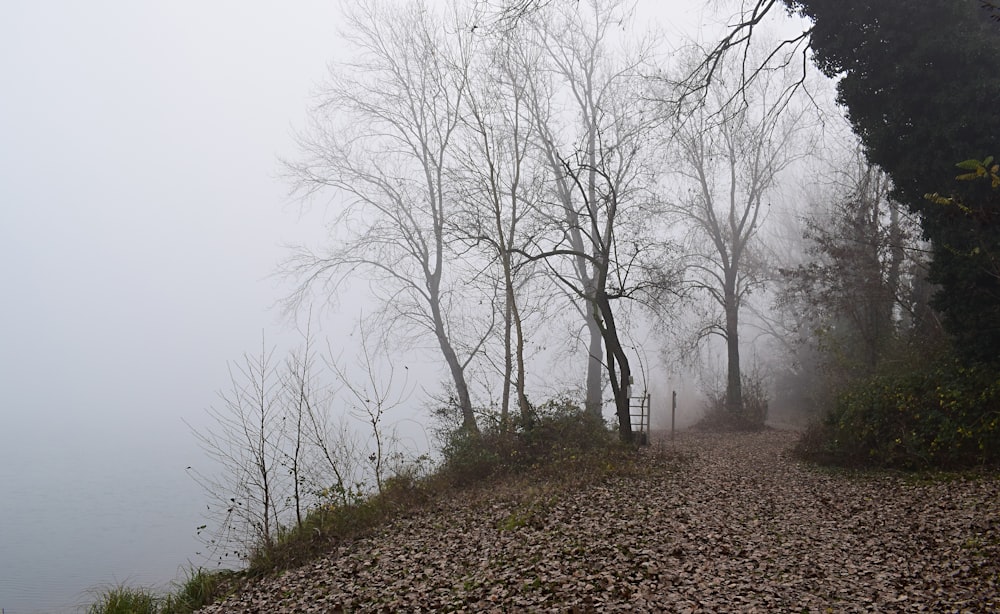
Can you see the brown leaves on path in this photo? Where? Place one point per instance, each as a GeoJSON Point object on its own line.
{"type": "Point", "coordinates": [713, 523]}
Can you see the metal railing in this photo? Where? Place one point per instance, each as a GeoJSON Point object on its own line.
{"type": "Point", "coordinates": [639, 415]}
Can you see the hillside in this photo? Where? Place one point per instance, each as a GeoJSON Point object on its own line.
{"type": "Point", "coordinates": [711, 523]}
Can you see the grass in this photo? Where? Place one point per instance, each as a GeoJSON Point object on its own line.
{"type": "Point", "coordinates": [199, 588]}
{"type": "Point", "coordinates": [125, 600]}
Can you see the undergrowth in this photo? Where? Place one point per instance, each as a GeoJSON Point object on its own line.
{"type": "Point", "coordinates": [557, 442]}
{"type": "Point", "coordinates": [750, 417]}
{"type": "Point", "coordinates": [555, 433]}
{"type": "Point", "coordinates": [943, 416]}
{"type": "Point", "coordinates": [556, 439]}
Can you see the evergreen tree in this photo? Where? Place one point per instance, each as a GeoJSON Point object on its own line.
{"type": "Point", "coordinates": [920, 86]}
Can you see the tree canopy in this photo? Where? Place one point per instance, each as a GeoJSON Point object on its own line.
{"type": "Point", "coordinates": [920, 86]}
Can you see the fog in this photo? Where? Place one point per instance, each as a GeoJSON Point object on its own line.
{"type": "Point", "coordinates": [142, 220]}
{"type": "Point", "coordinates": [140, 224]}
{"type": "Point", "coordinates": [142, 214]}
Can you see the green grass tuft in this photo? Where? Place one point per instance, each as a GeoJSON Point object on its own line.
{"type": "Point", "coordinates": [125, 600]}
{"type": "Point", "coordinates": [199, 589]}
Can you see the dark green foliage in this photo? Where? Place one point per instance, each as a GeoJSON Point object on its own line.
{"type": "Point", "coordinates": [944, 416]}
{"type": "Point", "coordinates": [920, 84]}
{"type": "Point", "coordinates": [967, 265]}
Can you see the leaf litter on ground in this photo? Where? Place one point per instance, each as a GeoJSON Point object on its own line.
{"type": "Point", "coordinates": [709, 523]}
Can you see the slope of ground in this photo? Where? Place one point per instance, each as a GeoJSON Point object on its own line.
{"type": "Point", "coordinates": [716, 523]}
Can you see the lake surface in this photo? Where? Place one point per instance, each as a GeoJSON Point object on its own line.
{"type": "Point", "coordinates": [78, 515]}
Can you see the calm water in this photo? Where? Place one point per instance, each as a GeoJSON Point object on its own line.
{"type": "Point", "coordinates": [76, 516]}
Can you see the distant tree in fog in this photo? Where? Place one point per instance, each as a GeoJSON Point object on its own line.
{"type": "Point", "coordinates": [864, 285]}
{"type": "Point", "coordinates": [730, 151]}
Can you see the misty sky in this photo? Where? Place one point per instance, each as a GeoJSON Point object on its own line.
{"type": "Point", "coordinates": [141, 212]}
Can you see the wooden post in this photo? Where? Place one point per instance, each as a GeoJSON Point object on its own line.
{"type": "Point", "coordinates": [673, 413]}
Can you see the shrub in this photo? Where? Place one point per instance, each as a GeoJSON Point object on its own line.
{"type": "Point", "coordinates": [559, 426]}
{"type": "Point", "coordinates": [944, 416]}
{"type": "Point", "coordinates": [469, 458]}
{"type": "Point", "coordinates": [751, 416]}
{"type": "Point", "coordinates": [556, 431]}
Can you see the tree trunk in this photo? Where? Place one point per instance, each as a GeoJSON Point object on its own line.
{"type": "Point", "coordinates": [522, 398]}
{"type": "Point", "coordinates": [620, 378]}
{"type": "Point", "coordinates": [508, 359]}
{"type": "Point", "coordinates": [594, 357]}
{"type": "Point", "coordinates": [457, 370]}
{"type": "Point", "coordinates": [461, 387]}
{"type": "Point", "coordinates": [734, 382]}
{"type": "Point", "coordinates": [595, 366]}
{"type": "Point", "coordinates": [622, 407]}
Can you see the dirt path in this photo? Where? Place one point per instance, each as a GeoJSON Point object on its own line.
{"type": "Point", "coordinates": [736, 526]}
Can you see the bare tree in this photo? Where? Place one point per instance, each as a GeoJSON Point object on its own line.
{"type": "Point", "coordinates": [503, 16]}
{"type": "Point", "coordinates": [864, 284]}
{"type": "Point", "coordinates": [323, 451]}
{"type": "Point", "coordinates": [372, 395]}
{"type": "Point", "coordinates": [737, 48]}
{"type": "Point", "coordinates": [279, 449]}
{"type": "Point", "coordinates": [299, 384]}
{"type": "Point", "coordinates": [730, 154]}
{"type": "Point", "coordinates": [249, 444]}
{"type": "Point", "coordinates": [382, 136]}
{"type": "Point", "coordinates": [601, 176]}
{"type": "Point", "coordinates": [326, 448]}
{"type": "Point", "coordinates": [503, 189]}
